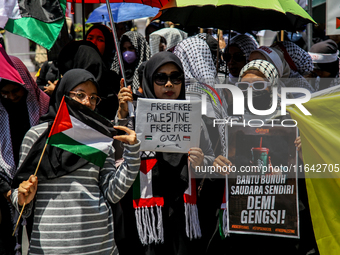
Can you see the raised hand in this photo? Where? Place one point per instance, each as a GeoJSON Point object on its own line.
{"type": "Point", "coordinates": [49, 89]}
{"type": "Point", "coordinates": [124, 96]}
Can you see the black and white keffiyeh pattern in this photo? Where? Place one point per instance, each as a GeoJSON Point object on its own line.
{"type": "Point", "coordinates": [300, 57]}
{"type": "Point", "coordinates": [289, 77]}
{"type": "Point", "coordinates": [268, 70]}
{"type": "Point", "coordinates": [271, 74]}
{"type": "Point", "coordinates": [37, 105]}
{"type": "Point", "coordinates": [172, 36]}
{"type": "Point", "coordinates": [245, 43]}
{"type": "Point", "coordinates": [142, 51]}
{"type": "Point", "coordinates": [298, 81]}
{"type": "Point", "coordinates": [199, 69]}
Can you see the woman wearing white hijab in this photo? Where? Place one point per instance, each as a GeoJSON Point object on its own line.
{"type": "Point", "coordinates": [172, 37]}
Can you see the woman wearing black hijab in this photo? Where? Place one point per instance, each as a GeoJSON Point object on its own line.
{"type": "Point", "coordinates": [85, 55]}
{"type": "Point", "coordinates": [72, 214]}
{"type": "Point", "coordinates": [163, 78]}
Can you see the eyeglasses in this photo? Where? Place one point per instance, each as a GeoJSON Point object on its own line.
{"type": "Point", "coordinates": [81, 96]}
{"type": "Point", "coordinates": [161, 79]}
{"type": "Point", "coordinates": [238, 56]}
{"type": "Point", "coordinates": [257, 85]}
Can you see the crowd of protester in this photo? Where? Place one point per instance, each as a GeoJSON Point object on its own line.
{"type": "Point", "coordinates": [166, 64]}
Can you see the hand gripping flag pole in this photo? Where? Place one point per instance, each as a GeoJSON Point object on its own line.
{"type": "Point", "coordinates": [35, 174]}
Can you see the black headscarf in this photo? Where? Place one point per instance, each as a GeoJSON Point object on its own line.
{"type": "Point", "coordinates": [85, 55]}
{"type": "Point", "coordinates": [70, 80]}
{"type": "Point", "coordinates": [109, 43]}
{"type": "Point", "coordinates": [55, 162]}
{"type": "Point", "coordinates": [155, 62]}
{"type": "Point", "coordinates": [170, 174]}
{"type": "Point", "coordinates": [81, 54]}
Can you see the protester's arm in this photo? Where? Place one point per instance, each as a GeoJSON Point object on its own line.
{"type": "Point", "coordinates": [124, 96]}
{"type": "Point", "coordinates": [31, 136]}
{"type": "Point", "coordinates": [116, 182]}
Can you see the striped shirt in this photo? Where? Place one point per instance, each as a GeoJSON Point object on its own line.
{"type": "Point", "coordinates": [71, 213]}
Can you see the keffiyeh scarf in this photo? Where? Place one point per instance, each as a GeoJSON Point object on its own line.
{"type": "Point", "coordinates": [245, 43]}
{"type": "Point", "coordinates": [200, 75]}
{"type": "Point", "coordinates": [300, 58]}
{"type": "Point", "coordinates": [173, 36]}
{"type": "Point", "coordinates": [142, 52]}
{"type": "Point", "coordinates": [37, 105]}
{"type": "Point", "coordinates": [148, 203]}
{"type": "Point", "coordinates": [265, 67]}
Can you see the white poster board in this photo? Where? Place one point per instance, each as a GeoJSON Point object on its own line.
{"type": "Point", "coordinates": [332, 17]}
{"type": "Point", "coordinates": [168, 125]}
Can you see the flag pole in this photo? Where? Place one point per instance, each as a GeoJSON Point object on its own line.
{"type": "Point", "coordinates": [120, 61]}
{"type": "Point", "coordinates": [83, 17]}
{"type": "Point", "coordinates": [35, 174]}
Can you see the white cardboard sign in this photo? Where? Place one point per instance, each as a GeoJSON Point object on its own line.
{"type": "Point", "coordinates": [168, 125]}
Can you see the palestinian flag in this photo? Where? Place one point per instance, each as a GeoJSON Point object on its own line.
{"type": "Point", "coordinates": [37, 20]}
{"type": "Point", "coordinates": [148, 137]}
{"type": "Point", "coordinates": [337, 23]}
{"type": "Point", "coordinates": [81, 132]}
{"type": "Point", "coordinates": [147, 204]}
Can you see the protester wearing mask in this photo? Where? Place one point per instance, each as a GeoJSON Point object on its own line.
{"type": "Point", "coordinates": [101, 36]}
{"type": "Point", "coordinates": [21, 105]}
{"type": "Point", "coordinates": [135, 51]}
{"type": "Point", "coordinates": [72, 214]}
{"type": "Point", "coordinates": [263, 77]}
{"type": "Point", "coordinates": [326, 64]}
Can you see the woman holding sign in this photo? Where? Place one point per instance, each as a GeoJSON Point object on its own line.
{"type": "Point", "coordinates": [72, 213]}
{"type": "Point", "coordinates": [167, 219]}
{"type": "Point", "coordinates": [263, 76]}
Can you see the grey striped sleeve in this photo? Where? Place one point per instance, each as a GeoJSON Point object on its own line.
{"type": "Point", "coordinates": [116, 182]}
